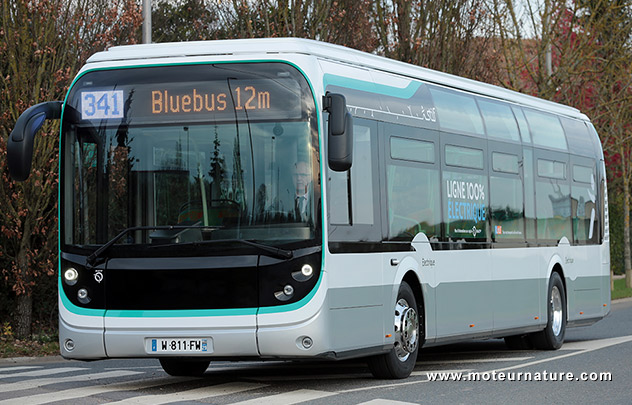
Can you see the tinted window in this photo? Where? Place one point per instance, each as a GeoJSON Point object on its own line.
{"type": "Point", "coordinates": [411, 149]}
{"type": "Point", "coordinates": [522, 124]}
{"type": "Point", "coordinates": [553, 208]}
{"type": "Point", "coordinates": [551, 169]}
{"type": "Point", "coordinates": [499, 120]}
{"type": "Point", "coordinates": [584, 204]}
{"type": "Point", "coordinates": [529, 192]}
{"type": "Point", "coordinates": [464, 157]}
{"type": "Point", "coordinates": [457, 111]}
{"type": "Point", "coordinates": [579, 139]}
{"type": "Point", "coordinates": [506, 208]}
{"type": "Point", "coordinates": [504, 162]}
{"type": "Point", "coordinates": [414, 202]}
{"type": "Point", "coordinates": [583, 174]}
{"type": "Point", "coordinates": [361, 184]}
{"type": "Point", "coordinates": [546, 129]}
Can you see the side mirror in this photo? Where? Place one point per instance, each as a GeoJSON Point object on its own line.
{"type": "Point", "coordinates": [20, 143]}
{"type": "Point", "coordinates": [340, 132]}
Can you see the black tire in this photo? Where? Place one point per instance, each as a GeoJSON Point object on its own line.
{"type": "Point", "coordinates": [552, 337]}
{"type": "Point", "coordinates": [184, 367]}
{"type": "Point", "coordinates": [400, 361]}
{"type": "Point", "coordinates": [518, 342]}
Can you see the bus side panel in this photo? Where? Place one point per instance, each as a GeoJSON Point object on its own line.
{"type": "Point", "coordinates": [356, 301]}
{"type": "Point", "coordinates": [464, 293]}
{"type": "Point", "coordinates": [583, 271]}
{"type": "Point", "coordinates": [517, 291]}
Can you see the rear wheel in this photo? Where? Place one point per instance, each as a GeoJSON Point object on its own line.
{"type": "Point", "coordinates": [552, 337]}
{"type": "Point", "coordinates": [400, 360]}
{"type": "Point", "coordinates": [184, 367]}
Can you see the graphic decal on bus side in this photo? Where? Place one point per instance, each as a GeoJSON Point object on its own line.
{"type": "Point", "coordinates": [465, 208]}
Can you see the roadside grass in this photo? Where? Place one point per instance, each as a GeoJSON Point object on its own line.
{"type": "Point", "coordinates": [42, 344]}
{"type": "Point", "coordinates": [620, 290]}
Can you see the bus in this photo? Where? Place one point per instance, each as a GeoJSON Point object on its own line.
{"type": "Point", "coordinates": [291, 199]}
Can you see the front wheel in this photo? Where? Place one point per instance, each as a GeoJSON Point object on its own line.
{"type": "Point", "coordinates": [552, 337]}
{"type": "Point", "coordinates": [400, 360]}
{"type": "Point", "coordinates": [184, 367]}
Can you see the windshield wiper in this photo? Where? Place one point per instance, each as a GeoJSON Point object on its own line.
{"type": "Point", "coordinates": [278, 253]}
{"type": "Point", "coordinates": [92, 258]}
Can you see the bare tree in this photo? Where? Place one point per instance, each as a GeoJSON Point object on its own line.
{"type": "Point", "coordinates": [42, 44]}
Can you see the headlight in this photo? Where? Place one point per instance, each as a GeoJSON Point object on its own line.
{"type": "Point", "coordinates": [71, 275]}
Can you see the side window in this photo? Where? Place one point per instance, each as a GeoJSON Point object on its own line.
{"type": "Point", "coordinates": [506, 200]}
{"type": "Point", "coordinates": [499, 120]}
{"type": "Point", "coordinates": [457, 111]}
{"type": "Point", "coordinates": [412, 181]}
{"type": "Point", "coordinates": [546, 129]}
{"type": "Point", "coordinates": [553, 202]}
{"type": "Point", "coordinates": [466, 194]}
{"type": "Point", "coordinates": [584, 204]}
{"type": "Point", "coordinates": [529, 193]}
{"type": "Point", "coordinates": [525, 134]}
{"type": "Point", "coordinates": [353, 195]}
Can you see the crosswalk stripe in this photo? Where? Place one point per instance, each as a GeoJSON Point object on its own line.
{"type": "Point", "coordinates": [193, 394]}
{"type": "Point", "coordinates": [40, 373]}
{"type": "Point", "coordinates": [18, 368]}
{"type": "Point", "coordinates": [30, 384]}
{"type": "Point", "coordinates": [82, 392]}
{"type": "Point", "coordinates": [287, 398]}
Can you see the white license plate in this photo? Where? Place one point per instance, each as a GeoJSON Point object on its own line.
{"type": "Point", "coordinates": [180, 345]}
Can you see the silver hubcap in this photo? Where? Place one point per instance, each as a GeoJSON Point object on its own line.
{"type": "Point", "coordinates": [406, 330]}
{"type": "Point", "coordinates": [556, 311]}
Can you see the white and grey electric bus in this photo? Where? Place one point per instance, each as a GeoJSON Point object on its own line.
{"type": "Point", "coordinates": [291, 199]}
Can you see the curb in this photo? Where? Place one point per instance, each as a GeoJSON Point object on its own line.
{"type": "Point", "coordinates": [19, 360]}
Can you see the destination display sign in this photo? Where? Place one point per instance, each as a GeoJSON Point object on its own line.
{"type": "Point", "coordinates": [219, 100]}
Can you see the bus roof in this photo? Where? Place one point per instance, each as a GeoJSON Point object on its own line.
{"type": "Point", "coordinates": [278, 46]}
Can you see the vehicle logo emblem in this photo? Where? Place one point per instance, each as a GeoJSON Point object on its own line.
{"type": "Point", "coordinates": [98, 276]}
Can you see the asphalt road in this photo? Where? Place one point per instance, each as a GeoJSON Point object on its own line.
{"type": "Point", "coordinates": [600, 354]}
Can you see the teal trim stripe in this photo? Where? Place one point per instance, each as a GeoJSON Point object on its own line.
{"type": "Point", "coordinates": [75, 309]}
{"type": "Point", "coordinates": [355, 84]}
{"type": "Point", "coordinates": [295, 305]}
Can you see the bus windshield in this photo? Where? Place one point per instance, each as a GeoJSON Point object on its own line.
{"type": "Point", "coordinates": [229, 152]}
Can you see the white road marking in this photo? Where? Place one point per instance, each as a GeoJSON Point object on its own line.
{"type": "Point", "coordinates": [48, 371]}
{"type": "Point", "coordinates": [83, 392]}
{"type": "Point", "coordinates": [287, 398]}
{"type": "Point", "coordinates": [193, 394]}
{"type": "Point", "coordinates": [426, 372]}
{"type": "Point", "coordinates": [466, 361]}
{"type": "Point", "coordinates": [386, 402]}
{"type": "Point", "coordinates": [30, 384]}
{"type": "Point", "coordinates": [581, 347]}
{"type": "Point", "coordinates": [134, 368]}
{"type": "Point", "coordinates": [18, 368]}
